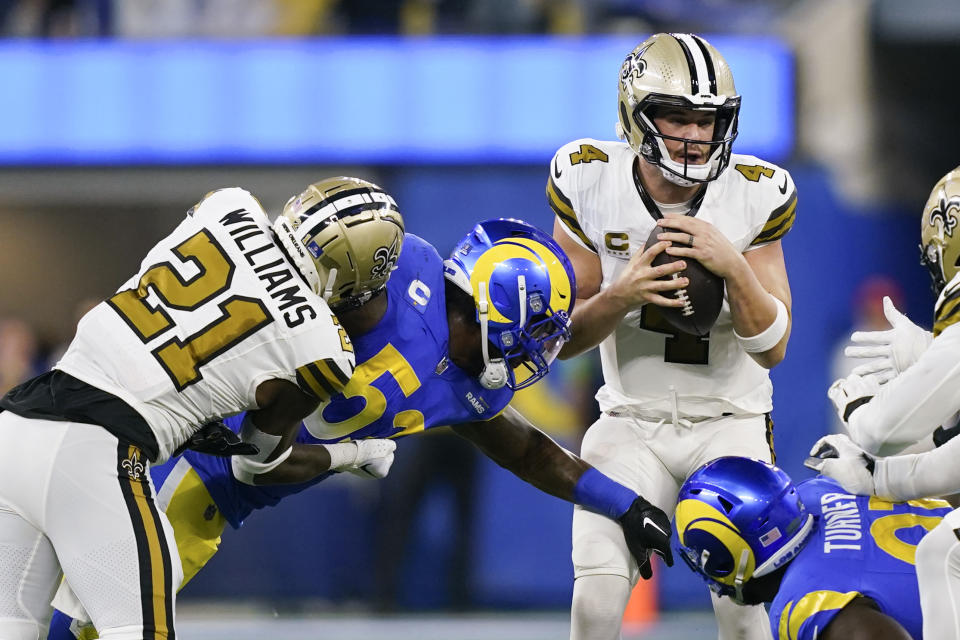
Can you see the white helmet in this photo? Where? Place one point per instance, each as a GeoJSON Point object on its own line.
{"type": "Point", "coordinates": [683, 71]}
{"type": "Point", "coordinates": [344, 235]}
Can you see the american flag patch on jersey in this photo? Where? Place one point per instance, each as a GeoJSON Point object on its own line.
{"type": "Point", "coordinates": [770, 537]}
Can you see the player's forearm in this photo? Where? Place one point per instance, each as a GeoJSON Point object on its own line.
{"type": "Point", "coordinates": [754, 311]}
{"type": "Point", "coordinates": [515, 444]}
{"type": "Point", "coordinates": [912, 405]}
{"type": "Point", "coordinates": [306, 462]}
{"type": "Point", "coordinates": [593, 320]}
{"type": "Point", "coordinates": [922, 475]}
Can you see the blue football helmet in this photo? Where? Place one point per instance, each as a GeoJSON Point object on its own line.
{"type": "Point", "coordinates": [739, 518]}
{"type": "Point", "coordinates": [523, 286]}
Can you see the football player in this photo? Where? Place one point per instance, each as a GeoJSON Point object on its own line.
{"type": "Point", "coordinates": [671, 401]}
{"type": "Point", "coordinates": [904, 393]}
{"type": "Point", "coordinates": [834, 566]}
{"type": "Point", "coordinates": [226, 314]}
{"type": "Point", "coordinates": [448, 343]}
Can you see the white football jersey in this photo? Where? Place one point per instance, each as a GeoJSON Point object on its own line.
{"type": "Point", "coordinates": [647, 364]}
{"type": "Point", "coordinates": [216, 309]}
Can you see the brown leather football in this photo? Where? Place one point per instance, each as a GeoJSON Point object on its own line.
{"type": "Point", "coordinates": [702, 297]}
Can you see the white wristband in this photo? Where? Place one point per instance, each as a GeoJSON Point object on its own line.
{"type": "Point", "coordinates": [266, 442]}
{"type": "Point", "coordinates": [769, 337]}
{"type": "Point", "coordinates": [343, 454]}
{"type": "Point", "coordinates": [245, 468]}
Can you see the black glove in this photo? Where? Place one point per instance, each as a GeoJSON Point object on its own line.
{"type": "Point", "coordinates": [216, 439]}
{"type": "Point", "coordinates": [942, 436]}
{"type": "Point", "coordinates": [647, 529]}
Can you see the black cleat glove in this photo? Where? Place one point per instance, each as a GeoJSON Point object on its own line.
{"type": "Point", "coordinates": [647, 529]}
{"type": "Point", "coordinates": [216, 439]}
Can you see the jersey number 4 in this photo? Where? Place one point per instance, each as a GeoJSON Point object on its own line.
{"type": "Point", "coordinates": [240, 316]}
{"type": "Point", "coordinates": [680, 347]}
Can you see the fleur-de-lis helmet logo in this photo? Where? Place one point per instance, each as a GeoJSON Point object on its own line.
{"type": "Point", "coordinates": [946, 212]}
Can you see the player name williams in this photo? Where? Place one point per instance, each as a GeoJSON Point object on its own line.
{"type": "Point", "coordinates": [271, 267]}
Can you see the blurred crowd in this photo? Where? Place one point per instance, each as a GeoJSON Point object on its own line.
{"type": "Point", "coordinates": [297, 18]}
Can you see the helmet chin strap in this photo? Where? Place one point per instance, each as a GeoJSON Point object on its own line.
{"type": "Point", "coordinates": [494, 374]}
{"type": "Point", "coordinates": [331, 279]}
{"type": "Point", "coordinates": [741, 572]}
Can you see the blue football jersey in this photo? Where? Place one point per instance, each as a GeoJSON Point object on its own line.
{"type": "Point", "coordinates": [404, 383]}
{"type": "Point", "coordinates": [860, 546]}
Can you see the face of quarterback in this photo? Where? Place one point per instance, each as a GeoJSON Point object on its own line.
{"type": "Point", "coordinates": [686, 123]}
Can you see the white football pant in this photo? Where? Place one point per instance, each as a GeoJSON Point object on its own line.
{"type": "Point", "coordinates": [938, 574]}
{"type": "Point", "coordinates": [653, 459]}
{"type": "Point", "coordinates": [73, 497]}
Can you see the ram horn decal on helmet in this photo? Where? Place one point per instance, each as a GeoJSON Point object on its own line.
{"type": "Point", "coordinates": [523, 287]}
{"type": "Point", "coordinates": [739, 518]}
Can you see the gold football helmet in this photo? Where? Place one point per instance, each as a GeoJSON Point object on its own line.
{"type": "Point", "coordinates": [939, 241]}
{"type": "Point", "coordinates": [677, 70]}
{"type": "Point", "coordinates": [344, 234]}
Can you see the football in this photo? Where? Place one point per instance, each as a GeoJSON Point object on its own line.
{"type": "Point", "coordinates": [702, 297]}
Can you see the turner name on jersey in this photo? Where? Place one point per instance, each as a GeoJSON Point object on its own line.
{"type": "Point", "coordinates": [215, 309]}
{"type": "Point", "coordinates": [601, 205]}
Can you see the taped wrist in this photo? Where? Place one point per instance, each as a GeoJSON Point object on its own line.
{"type": "Point", "coordinates": [343, 454]}
{"type": "Point", "coordinates": [769, 337]}
{"type": "Point", "coordinates": [266, 442]}
{"type": "Point", "coordinates": [245, 468]}
{"type": "Point", "coordinates": [599, 493]}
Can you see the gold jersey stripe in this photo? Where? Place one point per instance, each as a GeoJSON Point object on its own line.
{"type": "Point", "coordinates": [947, 313]}
{"type": "Point", "coordinates": [562, 206]}
{"type": "Point", "coordinates": [323, 378]}
{"type": "Point", "coordinates": [779, 222]}
{"type": "Point", "coordinates": [794, 615]}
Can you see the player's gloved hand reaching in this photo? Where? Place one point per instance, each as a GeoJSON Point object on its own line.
{"type": "Point", "coordinates": [216, 439]}
{"type": "Point", "coordinates": [837, 456]}
{"type": "Point", "coordinates": [850, 393]}
{"type": "Point", "coordinates": [888, 353]}
{"type": "Point", "coordinates": [647, 529]}
{"type": "Point", "coordinates": [370, 458]}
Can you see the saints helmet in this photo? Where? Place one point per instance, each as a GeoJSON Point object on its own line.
{"type": "Point", "coordinates": [677, 70]}
{"type": "Point", "coordinates": [523, 288]}
{"type": "Point", "coordinates": [739, 518]}
{"type": "Point", "coordinates": [344, 235]}
{"type": "Point", "coordinates": [939, 235]}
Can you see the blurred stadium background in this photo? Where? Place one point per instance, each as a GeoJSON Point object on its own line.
{"type": "Point", "coordinates": [118, 115]}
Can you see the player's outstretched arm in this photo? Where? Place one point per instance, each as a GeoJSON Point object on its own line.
{"type": "Point", "coordinates": [514, 443]}
{"type": "Point", "coordinates": [368, 458]}
{"type": "Point", "coordinates": [274, 427]}
{"type": "Point", "coordinates": [861, 620]}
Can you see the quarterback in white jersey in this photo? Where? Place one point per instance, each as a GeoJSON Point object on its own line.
{"type": "Point", "coordinates": [671, 401]}
{"type": "Point", "coordinates": [227, 314]}
{"type": "Point", "coordinates": [904, 393]}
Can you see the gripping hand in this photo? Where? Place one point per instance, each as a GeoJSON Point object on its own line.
{"type": "Point", "coordinates": [370, 458]}
{"type": "Point", "coordinates": [647, 529]}
{"type": "Point", "coordinates": [888, 353]}
{"type": "Point", "coordinates": [847, 394]}
{"type": "Point", "coordinates": [838, 457]}
{"type": "Point", "coordinates": [216, 439]}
